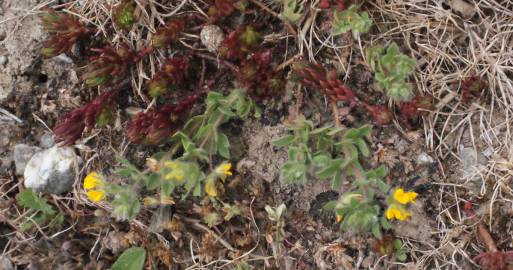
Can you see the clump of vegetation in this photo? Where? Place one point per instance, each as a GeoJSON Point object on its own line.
{"type": "Point", "coordinates": [392, 69]}
{"type": "Point", "coordinates": [276, 215]}
{"type": "Point", "coordinates": [168, 33]}
{"type": "Point", "coordinates": [169, 77]}
{"type": "Point", "coordinates": [239, 43]}
{"type": "Point", "coordinates": [316, 76]}
{"type": "Point", "coordinates": [40, 212]}
{"type": "Point", "coordinates": [472, 88]}
{"type": "Point", "coordinates": [98, 111]}
{"type": "Point", "coordinates": [350, 19]}
{"type": "Point", "coordinates": [124, 15]}
{"type": "Point", "coordinates": [166, 173]}
{"type": "Point", "coordinates": [292, 10]}
{"type": "Point", "coordinates": [110, 65]}
{"type": "Point", "coordinates": [65, 30]}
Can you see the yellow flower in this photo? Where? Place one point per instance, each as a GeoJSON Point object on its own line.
{"type": "Point", "coordinates": [210, 187]}
{"type": "Point", "coordinates": [223, 170]}
{"type": "Point", "coordinates": [92, 180]}
{"type": "Point", "coordinates": [96, 195]}
{"type": "Point", "coordinates": [171, 164]}
{"type": "Point", "coordinates": [177, 175]}
{"type": "Point", "coordinates": [404, 197]}
{"type": "Point", "coordinates": [397, 212]}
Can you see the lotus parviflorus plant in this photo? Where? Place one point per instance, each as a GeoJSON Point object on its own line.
{"type": "Point", "coordinates": [167, 173]}
{"type": "Point", "coordinates": [98, 112]}
{"type": "Point", "coordinates": [65, 30]}
{"type": "Point", "coordinates": [316, 76]}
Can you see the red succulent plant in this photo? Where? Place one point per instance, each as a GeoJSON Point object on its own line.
{"type": "Point", "coordinates": [240, 43]}
{"type": "Point", "coordinates": [493, 259]}
{"type": "Point", "coordinates": [170, 75]}
{"type": "Point", "coordinates": [65, 30]}
{"type": "Point", "coordinates": [110, 65]}
{"type": "Point", "coordinates": [259, 78]}
{"type": "Point", "coordinates": [316, 76]}
{"type": "Point", "coordinates": [168, 33]}
{"type": "Point", "coordinates": [73, 124]}
{"type": "Point", "coordinates": [156, 126]}
{"type": "Point", "coordinates": [413, 109]}
{"type": "Point", "coordinates": [473, 87]}
{"type": "Point", "coordinates": [338, 4]}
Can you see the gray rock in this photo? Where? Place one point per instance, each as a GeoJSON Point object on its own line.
{"type": "Point", "coordinates": [47, 140]}
{"type": "Point", "coordinates": [424, 159]}
{"type": "Point", "coordinates": [52, 170]}
{"type": "Point", "coordinates": [5, 263]}
{"type": "Point", "coordinates": [3, 60]}
{"type": "Point", "coordinates": [211, 36]}
{"type": "Point", "coordinates": [471, 163]}
{"type": "Point", "coordinates": [22, 154]}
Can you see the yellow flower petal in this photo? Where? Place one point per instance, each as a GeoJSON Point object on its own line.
{"type": "Point", "coordinates": [223, 170]}
{"type": "Point", "coordinates": [92, 180]}
{"type": "Point", "coordinates": [210, 187]}
{"type": "Point", "coordinates": [397, 212]}
{"type": "Point", "coordinates": [404, 197]}
{"type": "Point", "coordinates": [171, 164]}
{"type": "Point", "coordinates": [96, 195]}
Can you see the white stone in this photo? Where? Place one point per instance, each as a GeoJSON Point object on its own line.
{"type": "Point", "coordinates": [52, 170]}
{"type": "Point", "coordinates": [211, 37]}
{"type": "Point", "coordinates": [424, 159]}
{"type": "Point", "coordinates": [22, 154]}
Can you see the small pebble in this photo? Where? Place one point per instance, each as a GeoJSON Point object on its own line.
{"type": "Point", "coordinates": [211, 37]}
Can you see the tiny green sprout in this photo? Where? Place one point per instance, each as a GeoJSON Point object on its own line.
{"type": "Point", "coordinates": [292, 10]}
{"type": "Point", "coordinates": [124, 16]}
{"type": "Point", "coordinates": [276, 215]}
{"type": "Point", "coordinates": [392, 70]}
{"type": "Point", "coordinates": [41, 213]}
{"type": "Point", "coordinates": [350, 19]}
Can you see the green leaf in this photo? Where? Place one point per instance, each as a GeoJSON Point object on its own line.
{"type": "Point", "coordinates": [401, 257]}
{"type": "Point", "coordinates": [29, 199]}
{"type": "Point", "coordinates": [131, 259]}
{"type": "Point", "coordinates": [284, 141]}
{"type": "Point", "coordinates": [363, 147]}
{"type": "Point", "coordinates": [223, 145]}
{"type": "Point", "coordinates": [331, 169]}
{"type": "Point", "coordinates": [153, 181]}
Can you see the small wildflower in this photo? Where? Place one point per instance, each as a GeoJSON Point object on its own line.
{"type": "Point", "coordinates": [397, 212]}
{"type": "Point", "coordinates": [404, 197]}
{"type": "Point", "coordinates": [171, 164]}
{"type": "Point", "coordinates": [149, 201]}
{"type": "Point", "coordinates": [92, 180]}
{"type": "Point", "coordinates": [223, 170]}
{"type": "Point", "coordinates": [210, 187]}
{"type": "Point", "coordinates": [177, 174]}
{"type": "Point", "coordinates": [96, 195]}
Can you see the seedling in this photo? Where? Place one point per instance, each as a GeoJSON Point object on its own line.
{"type": "Point", "coordinates": [259, 78]}
{"type": "Point", "coordinates": [292, 10]}
{"type": "Point", "coordinates": [276, 215]}
{"type": "Point", "coordinates": [350, 19]}
{"type": "Point", "coordinates": [40, 214]}
{"type": "Point", "coordinates": [392, 70]}
{"type": "Point", "coordinates": [472, 88]}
